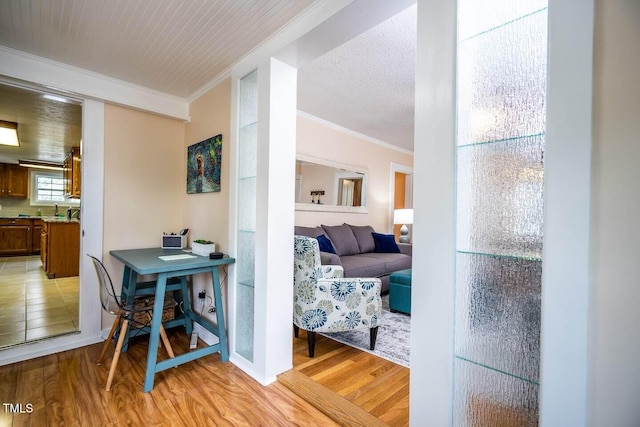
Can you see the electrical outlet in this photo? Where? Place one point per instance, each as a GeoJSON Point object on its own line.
{"type": "Point", "coordinates": [202, 295]}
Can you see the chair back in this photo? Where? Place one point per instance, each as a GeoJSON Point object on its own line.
{"type": "Point", "coordinates": [306, 260]}
{"type": "Point", "coordinates": [108, 297]}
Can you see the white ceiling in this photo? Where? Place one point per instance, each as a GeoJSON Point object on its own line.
{"type": "Point", "coordinates": [178, 47]}
{"type": "Point", "coordinates": [367, 84]}
{"type": "Point", "coordinates": [172, 46]}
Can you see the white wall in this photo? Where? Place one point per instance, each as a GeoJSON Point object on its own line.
{"type": "Point", "coordinates": [614, 380]}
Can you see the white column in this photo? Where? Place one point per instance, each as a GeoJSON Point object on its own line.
{"type": "Point", "coordinates": [565, 270]}
{"type": "Point", "coordinates": [433, 204]}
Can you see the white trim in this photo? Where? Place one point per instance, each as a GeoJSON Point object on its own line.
{"type": "Point", "coordinates": [567, 187]}
{"type": "Point", "coordinates": [63, 78]}
{"type": "Point", "coordinates": [332, 163]}
{"type": "Point", "coordinates": [353, 133]}
{"type": "Point", "coordinates": [233, 222]}
{"type": "Point", "coordinates": [311, 207]}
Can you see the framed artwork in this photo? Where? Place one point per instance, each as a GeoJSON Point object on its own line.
{"type": "Point", "coordinates": [203, 166]}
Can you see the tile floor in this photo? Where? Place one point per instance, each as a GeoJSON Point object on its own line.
{"type": "Point", "coordinates": [32, 306]}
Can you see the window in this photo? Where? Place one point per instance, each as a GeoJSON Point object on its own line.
{"type": "Point", "coordinates": [47, 188]}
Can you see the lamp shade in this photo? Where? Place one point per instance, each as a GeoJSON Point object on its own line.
{"type": "Point", "coordinates": [403, 216]}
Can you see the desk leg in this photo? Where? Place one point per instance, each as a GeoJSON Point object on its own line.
{"type": "Point", "coordinates": [222, 330]}
{"type": "Point", "coordinates": [152, 352]}
{"type": "Point", "coordinates": [127, 294]}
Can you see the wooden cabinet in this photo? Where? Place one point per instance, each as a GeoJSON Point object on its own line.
{"type": "Point", "coordinates": [72, 174]}
{"type": "Point", "coordinates": [43, 247]}
{"type": "Point", "coordinates": [14, 181]}
{"type": "Point", "coordinates": [36, 231]}
{"type": "Point", "coordinates": [15, 236]}
{"type": "Point", "coordinates": [60, 248]}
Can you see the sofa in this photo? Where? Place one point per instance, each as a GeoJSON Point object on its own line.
{"type": "Point", "coordinates": [359, 250]}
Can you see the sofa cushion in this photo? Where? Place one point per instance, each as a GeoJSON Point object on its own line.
{"type": "Point", "coordinates": [390, 261]}
{"type": "Point", "coordinates": [308, 231]}
{"type": "Point", "coordinates": [385, 243]}
{"type": "Point", "coordinates": [362, 266]}
{"type": "Point", "coordinates": [342, 238]}
{"type": "Point", "coordinates": [364, 237]}
{"type": "Point", "coordinates": [325, 244]}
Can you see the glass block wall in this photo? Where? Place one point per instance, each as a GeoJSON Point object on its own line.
{"type": "Point", "coordinates": [502, 52]}
{"type": "Point", "coordinates": [245, 259]}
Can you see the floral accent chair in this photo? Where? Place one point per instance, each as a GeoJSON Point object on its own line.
{"type": "Point", "coordinates": [324, 301]}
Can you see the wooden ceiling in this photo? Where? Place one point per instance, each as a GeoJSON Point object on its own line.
{"type": "Point", "coordinates": [47, 129]}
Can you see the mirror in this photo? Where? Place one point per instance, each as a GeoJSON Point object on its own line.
{"type": "Point", "coordinates": [325, 185]}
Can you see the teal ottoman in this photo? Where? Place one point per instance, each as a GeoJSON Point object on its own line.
{"type": "Point", "coordinates": [400, 291]}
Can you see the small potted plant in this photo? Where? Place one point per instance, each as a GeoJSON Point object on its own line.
{"type": "Point", "coordinates": [202, 247]}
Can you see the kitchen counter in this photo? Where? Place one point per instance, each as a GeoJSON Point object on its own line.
{"type": "Point", "coordinates": [43, 218]}
{"type": "Point", "coordinates": [60, 247]}
{"type": "Point", "coordinates": [56, 219]}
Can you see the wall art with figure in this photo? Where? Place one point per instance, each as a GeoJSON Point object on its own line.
{"type": "Point", "coordinates": [203, 165]}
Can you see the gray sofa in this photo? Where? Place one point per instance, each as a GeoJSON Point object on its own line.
{"type": "Point", "coordinates": [356, 251]}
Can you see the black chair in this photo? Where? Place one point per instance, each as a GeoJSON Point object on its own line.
{"type": "Point", "coordinates": [138, 315]}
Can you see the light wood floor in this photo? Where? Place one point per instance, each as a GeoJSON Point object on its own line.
{"type": "Point", "coordinates": [353, 387]}
{"type": "Point", "coordinates": [67, 388]}
{"type": "Point", "coordinates": [32, 306]}
{"type": "Point", "coordinates": [340, 386]}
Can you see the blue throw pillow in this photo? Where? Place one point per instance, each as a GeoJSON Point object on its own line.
{"type": "Point", "coordinates": [385, 243]}
{"type": "Point", "coordinates": [325, 244]}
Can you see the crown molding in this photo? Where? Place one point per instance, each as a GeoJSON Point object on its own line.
{"type": "Point", "coordinates": [348, 131]}
{"type": "Point", "coordinates": [65, 78]}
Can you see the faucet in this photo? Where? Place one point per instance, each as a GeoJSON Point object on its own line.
{"type": "Point", "coordinates": [56, 214]}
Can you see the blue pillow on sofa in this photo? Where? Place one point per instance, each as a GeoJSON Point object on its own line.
{"type": "Point", "coordinates": [325, 244]}
{"type": "Point", "coordinates": [385, 243]}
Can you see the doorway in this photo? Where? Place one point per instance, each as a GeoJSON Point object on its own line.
{"type": "Point", "coordinates": [401, 194]}
{"type": "Point", "coordinates": [39, 302]}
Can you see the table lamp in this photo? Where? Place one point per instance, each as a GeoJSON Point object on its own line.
{"type": "Point", "coordinates": [404, 217]}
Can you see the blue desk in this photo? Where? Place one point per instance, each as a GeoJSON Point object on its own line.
{"type": "Point", "coordinates": [147, 261]}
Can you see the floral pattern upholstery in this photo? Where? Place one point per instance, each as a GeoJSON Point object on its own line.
{"type": "Point", "coordinates": [324, 301]}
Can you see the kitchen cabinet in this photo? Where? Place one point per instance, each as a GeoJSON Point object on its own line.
{"type": "Point", "coordinates": [72, 174]}
{"type": "Point", "coordinates": [60, 248]}
{"type": "Point", "coordinates": [14, 180]}
{"type": "Point", "coordinates": [36, 231]}
{"type": "Point", "coordinates": [15, 236]}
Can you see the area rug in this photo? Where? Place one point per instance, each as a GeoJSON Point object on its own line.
{"type": "Point", "coordinates": [393, 342]}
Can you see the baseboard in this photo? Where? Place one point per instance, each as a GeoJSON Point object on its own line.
{"type": "Point", "coordinates": [334, 406]}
